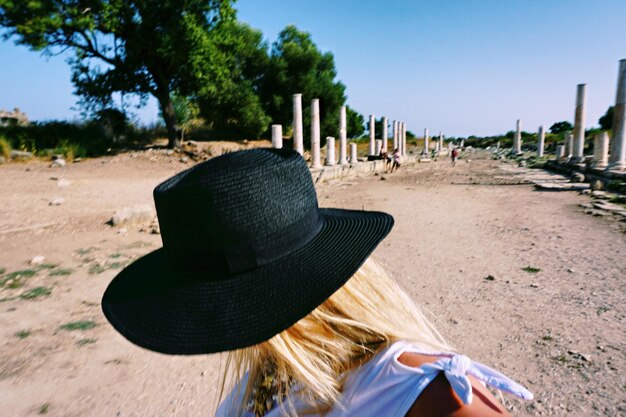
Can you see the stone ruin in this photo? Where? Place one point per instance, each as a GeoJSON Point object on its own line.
{"type": "Point", "coordinates": [15, 117]}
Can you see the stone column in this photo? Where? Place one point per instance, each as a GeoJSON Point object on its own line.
{"type": "Point", "coordinates": [385, 135]}
{"type": "Point", "coordinates": [298, 140]}
{"type": "Point", "coordinates": [579, 124]}
{"type": "Point", "coordinates": [601, 150]}
{"type": "Point", "coordinates": [330, 151]}
{"type": "Point", "coordinates": [353, 155]}
{"type": "Point", "coordinates": [426, 142]}
{"type": "Point", "coordinates": [541, 139]}
{"type": "Point", "coordinates": [560, 152]}
{"type": "Point", "coordinates": [569, 145]}
{"type": "Point", "coordinates": [440, 141]}
{"type": "Point", "coordinates": [462, 146]}
{"type": "Point", "coordinates": [395, 135]}
{"type": "Point", "coordinates": [379, 146]}
{"type": "Point", "coordinates": [277, 136]}
{"type": "Point", "coordinates": [372, 135]}
{"type": "Point", "coordinates": [405, 138]}
{"type": "Point", "coordinates": [343, 136]}
{"type": "Point", "coordinates": [315, 134]}
{"type": "Point", "coordinates": [617, 158]}
{"type": "Point", "coordinates": [517, 139]}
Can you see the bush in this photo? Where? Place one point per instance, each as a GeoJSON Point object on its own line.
{"type": "Point", "coordinates": [5, 148]}
{"type": "Point", "coordinates": [70, 150]}
{"type": "Point", "coordinates": [91, 138]}
{"type": "Point", "coordinates": [615, 185]}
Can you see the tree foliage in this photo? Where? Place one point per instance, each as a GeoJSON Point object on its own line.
{"type": "Point", "coordinates": [232, 103]}
{"type": "Point", "coordinates": [561, 127]}
{"type": "Point", "coordinates": [355, 123]}
{"type": "Point", "coordinates": [296, 65]}
{"type": "Point", "coordinates": [140, 47]}
{"type": "Point", "coordinates": [606, 121]}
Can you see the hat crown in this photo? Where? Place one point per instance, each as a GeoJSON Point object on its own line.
{"type": "Point", "coordinates": [224, 213]}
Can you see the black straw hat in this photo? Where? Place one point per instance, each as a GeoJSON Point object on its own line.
{"type": "Point", "coordinates": [246, 253]}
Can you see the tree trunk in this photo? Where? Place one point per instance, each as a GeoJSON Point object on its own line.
{"type": "Point", "coordinates": [167, 109]}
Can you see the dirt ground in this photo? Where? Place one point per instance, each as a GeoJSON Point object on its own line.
{"type": "Point", "coordinates": [521, 280]}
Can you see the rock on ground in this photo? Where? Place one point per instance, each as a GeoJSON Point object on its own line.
{"type": "Point", "coordinates": [133, 215]}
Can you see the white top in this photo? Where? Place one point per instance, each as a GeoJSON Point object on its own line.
{"type": "Point", "coordinates": [386, 387]}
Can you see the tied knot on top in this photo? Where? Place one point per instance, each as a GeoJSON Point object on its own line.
{"type": "Point", "coordinates": [458, 365]}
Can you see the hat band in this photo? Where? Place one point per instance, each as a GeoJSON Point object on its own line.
{"type": "Point", "coordinates": [246, 256]}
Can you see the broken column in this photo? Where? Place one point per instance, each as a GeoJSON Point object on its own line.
{"type": "Point", "coordinates": [440, 141]}
{"type": "Point", "coordinates": [617, 157]}
{"type": "Point", "coordinates": [541, 139]}
{"type": "Point", "coordinates": [372, 135]}
{"type": "Point", "coordinates": [353, 155]}
{"type": "Point", "coordinates": [298, 141]}
{"type": "Point", "coordinates": [601, 150]}
{"type": "Point", "coordinates": [579, 124]}
{"type": "Point", "coordinates": [560, 152]}
{"type": "Point", "coordinates": [343, 136]}
{"type": "Point", "coordinates": [517, 139]}
{"type": "Point", "coordinates": [277, 136]}
{"type": "Point", "coordinates": [330, 151]}
{"type": "Point", "coordinates": [385, 134]}
{"type": "Point", "coordinates": [426, 144]}
{"type": "Point", "coordinates": [315, 134]}
{"type": "Point", "coordinates": [569, 144]}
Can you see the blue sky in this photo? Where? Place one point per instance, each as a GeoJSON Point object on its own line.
{"type": "Point", "coordinates": [460, 66]}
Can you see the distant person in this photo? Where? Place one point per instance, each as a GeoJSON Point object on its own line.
{"type": "Point", "coordinates": [383, 154]}
{"type": "Point", "coordinates": [454, 155]}
{"type": "Point", "coordinates": [388, 160]}
{"type": "Point", "coordinates": [396, 160]}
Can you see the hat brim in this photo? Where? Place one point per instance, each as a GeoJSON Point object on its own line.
{"type": "Point", "coordinates": [158, 308]}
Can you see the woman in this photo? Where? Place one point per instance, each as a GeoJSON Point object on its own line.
{"type": "Point", "coordinates": [454, 155]}
{"type": "Point", "coordinates": [396, 159]}
{"type": "Point", "coordinates": [251, 264]}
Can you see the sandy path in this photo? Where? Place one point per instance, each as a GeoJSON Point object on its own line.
{"type": "Point", "coordinates": [559, 331]}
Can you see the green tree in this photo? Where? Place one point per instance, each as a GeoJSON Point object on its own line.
{"type": "Point", "coordinates": [606, 121]}
{"type": "Point", "coordinates": [355, 123]}
{"type": "Point", "coordinates": [296, 65]}
{"type": "Point", "coordinates": [560, 127]}
{"type": "Point", "coordinates": [140, 47]}
{"type": "Point", "coordinates": [232, 104]}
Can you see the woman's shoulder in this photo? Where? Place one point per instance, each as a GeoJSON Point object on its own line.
{"type": "Point", "coordinates": [439, 398]}
{"type": "Point", "coordinates": [445, 383]}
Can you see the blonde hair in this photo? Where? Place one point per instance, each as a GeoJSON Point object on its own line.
{"type": "Point", "coordinates": [367, 314]}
